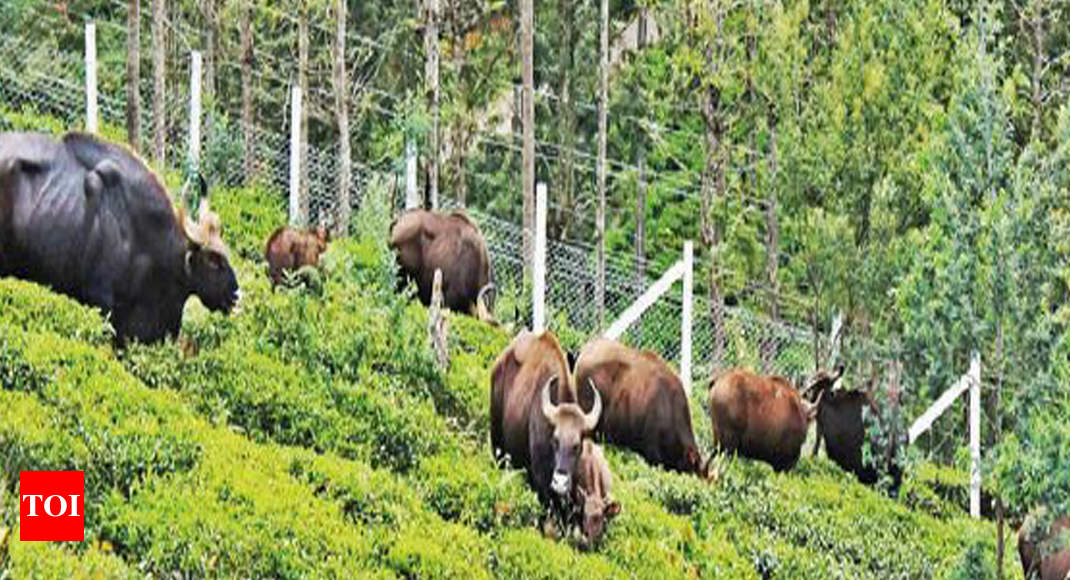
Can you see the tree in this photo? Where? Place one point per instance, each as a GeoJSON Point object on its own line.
{"type": "Point", "coordinates": [209, 12]}
{"type": "Point", "coordinates": [640, 189]}
{"type": "Point", "coordinates": [133, 75]}
{"type": "Point", "coordinates": [159, 77]}
{"type": "Point", "coordinates": [566, 120]}
{"type": "Point", "coordinates": [600, 219]}
{"type": "Point", "coordinates": [527, 116]}
{"type": "Point", "coordinates": [341, 111]}
{"type": "Point", "coordinates": [247, 120]}
{"type": "Point", "coordinates": [432, 82]}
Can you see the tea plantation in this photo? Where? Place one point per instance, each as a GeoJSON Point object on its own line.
{"type": "Point", "coordinates": [310, 435]}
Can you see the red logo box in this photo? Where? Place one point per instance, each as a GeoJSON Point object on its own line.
{"type": "Point", "coordinates": [52, 506]}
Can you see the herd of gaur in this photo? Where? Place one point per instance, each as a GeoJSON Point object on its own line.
{"type": "Point", "coordinates": [89, 219]}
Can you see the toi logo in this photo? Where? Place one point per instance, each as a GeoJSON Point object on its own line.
{"type": "Point", "coordinates": [52, 506]}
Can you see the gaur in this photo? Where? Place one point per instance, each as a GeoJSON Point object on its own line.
{"type": "Point", "coordinates": [760, 417]}
{"type": "Point", "coordinates": [536, 420]}
{"type": "Point", "coordinates": [425, 241]}
{"type": "Point", "coordinates": [646, 408]}
{"type": "Point", "coordinates": [90, 220]}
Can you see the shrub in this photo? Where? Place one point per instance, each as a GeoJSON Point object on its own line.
{"type": "Point", "coordinates": [472, 491]}
{"type": "Point", "coordinates": [36, 308]}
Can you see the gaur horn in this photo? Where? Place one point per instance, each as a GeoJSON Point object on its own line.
{"type": "Point", "coordinates": [811, 408]}
{"type": "Point", "coordinates": [548, 408]}
{"type": "Point", "coordinates": [590, 420]}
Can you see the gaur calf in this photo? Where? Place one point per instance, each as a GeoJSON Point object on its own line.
{"type": "Point", "coordinates": [591, 493]}
{"type": "Point", "coordinates": [289, 250]}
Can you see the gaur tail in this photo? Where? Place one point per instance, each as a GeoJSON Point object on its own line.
{"type": "Point", "coordinates": [482, 310]}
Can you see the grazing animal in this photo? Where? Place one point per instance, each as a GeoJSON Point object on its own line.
{"type": "Point", "coordinates": [839, 424]}
{"type": "Point", "coordinates": [591, 493]}
{"type": "Point", "coordinates": [289, 250]}
{"type": "Point", "coordinates": [536, 433]}
{"type": "Point", "coordinates": [760, 417]}
{"type": "Point", "coordinates": [646, 408]}
{"type": "Point", "coordinates": [90, 220]}
{"type": "Point", "coordinates": [426, 241]}
{"type": "Point", "coordinates": [1046, 558]}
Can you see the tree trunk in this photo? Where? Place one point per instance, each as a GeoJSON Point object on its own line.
{"type": "Point", "coordinates": [248, 137]}
{"type": "Point", "coordinates": [306, 104]}
{"type": "Point", "coordinates": [211, 32]}
{"type": "Point", "coordinates": [772, 242]}
{"type": "Point", "coordinates": [603, 104]}
{"type": "Point", "coordinates": [461, 128]}
{"type": "Point", "coordinates": [527, 115]}
{"type": "Point", "coordinates": [713, 186]}
{"type": "Point", "coordinates": [159, 114]}
{"type": "Point", "coordinates": [133, 75]}
{"type": "Point", "coordinates": [566, 119]}
{"type": "Point", "coordinates": [1038, 69]}
{"type": "Point", "coordinates": [640, 190]}
{"type": "Point", "coordinates": [341, 111]}
{"type": "Point", "coordinates": [432, 74]}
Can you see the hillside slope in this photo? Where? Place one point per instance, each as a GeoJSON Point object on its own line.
{"type": "Point", "coordinates": [311, 435]}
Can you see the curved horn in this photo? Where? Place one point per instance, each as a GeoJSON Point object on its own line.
{"type": "Point", "coordinates": [203, 183]}
{"type": "Point", "coordinates": [590, 420]}
{"type": "Point", "coordinates": [839, 373]}
{"type": "Point", "coordinates": [811, 408]}
{"type": "Point", "coordinates": [549, 410]}
{"type": "Point", "coordinates": [483, 311]}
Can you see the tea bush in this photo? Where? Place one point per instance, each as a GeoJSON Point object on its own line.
{"type": "Point", "coordinates": [310, 434]}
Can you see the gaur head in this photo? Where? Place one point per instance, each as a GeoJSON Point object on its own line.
{"type": "Point", "coordinates": [597, 512]}
{"type": "Point", "coordinates": [207, 265]}
{"type": "Point", "coordinates": [570, 424]}
{"type": "Point", "coordinates": [322, 236]}
{"type": "Point", "coordinates": [820, 383]}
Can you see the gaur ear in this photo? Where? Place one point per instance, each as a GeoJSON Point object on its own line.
{"type": "Point", "coordinates": [105, 174]}
{"type": "Point", "coordinates": [612, 509]}
{"type": "Point", "coordinates": [839, 373]}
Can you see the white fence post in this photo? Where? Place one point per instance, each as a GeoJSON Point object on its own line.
{"type": "Point", "coordinates": [412, 196]}
{"type": "Point", "coordinates": [975, 435]}
{"type": "Point", "coordinates": [538, 289]}
{"type": "Point", "coordinates": [195, 109]}
{"type": "Point", "coordinates": [834, 339]}
{"type": "Point", "coordinates": [685, 317]}
{"type": "Point", "coordinates": [295, 156]}
{"type": "Point", "coordinates": [91, 114]}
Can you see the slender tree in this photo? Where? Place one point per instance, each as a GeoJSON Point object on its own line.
{"type": "Point", "coordinates": [640, 189]}
{"type": "Point", "coordinates": [527, 115]}
{"type": "Point", "coordinates": [600, 219]}
{"type": "Point", "coordinates": [209, 11]}
{"type": "Point", "coordinates": [566, 118]}
{"type": "Point", "coordinates": [341, 111]}
{"type": "Point", "coordinates": [432, 80]}
{"type": "Point", "coordinates": [248, 136]}
{"type": "Point", "coordinates": [713, 185]}
{"type": "Point", "coordinates": [133, 75]}
{"type": "Point", "coordinates": [159, 76]}
{"type": "Point", "coordinates": [772, 243]}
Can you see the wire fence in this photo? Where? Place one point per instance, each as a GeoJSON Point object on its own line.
{"type": "Point", "coordinates": [51, 82]}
